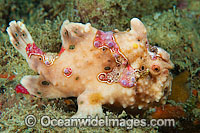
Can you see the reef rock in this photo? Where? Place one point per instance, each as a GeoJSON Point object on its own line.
{"type": "Point", "coordinates": [97, 67]}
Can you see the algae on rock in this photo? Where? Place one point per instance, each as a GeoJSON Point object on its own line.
{"type": "Point", "coordinates": [111, 14]}
{"type": "Point", "coordinates": [178, 34]}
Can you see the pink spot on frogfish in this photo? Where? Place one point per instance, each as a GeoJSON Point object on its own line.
{"type": "Point", "coordinates": [32, 49]}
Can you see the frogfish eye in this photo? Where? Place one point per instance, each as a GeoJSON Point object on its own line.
{"type": "Point", "coordinates": [155, 68]}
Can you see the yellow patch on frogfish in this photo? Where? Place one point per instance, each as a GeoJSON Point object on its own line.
{"type": "Point", "coordinates": [95, 98]}
{"type": "Point", "coordinates": [135, 45]}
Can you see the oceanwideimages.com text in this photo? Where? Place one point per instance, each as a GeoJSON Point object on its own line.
{"type": "Point", "coordinates": [47, 121]}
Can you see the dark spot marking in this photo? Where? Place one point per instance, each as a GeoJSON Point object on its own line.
{"type": "Point", "coordinates": [38, 92]}
{"type": "Point", "coordinates": [66, 32]}
{"type": "Point", "coordinates": [77, 78]}
{"type": "Point", "coordinates": [2, 89]}
{"type": "Point", "coordinates": [165, 91]}
{"type": "Point", "coordinates": [107, 68]}
{"type": "Point", "coordinates": [142, 67]}
{"type": "Point", "coordinates": [45, 83]}
{"type": "Point", "coordinates": [156, 44]}
{"type": "Point", "coordinates": [16, 44]}
{"type": "Point", "coordinates": [104, 49]}
{"type": "Point", "coordinates": [154, 49]}
{"type": "Point", "coordinates": [76, 31]}
{"type": "Point", "coordinates": [71, 47]}
{"type": "Point", "coordinates": [16, 34]}
{"type": "Point", "coordinates": [81, 102]}
{"type": "Point", "coordinates": [156, 69]}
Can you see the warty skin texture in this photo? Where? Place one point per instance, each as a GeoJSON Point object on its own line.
{"type": "Point", "coordinates": [137, 74]}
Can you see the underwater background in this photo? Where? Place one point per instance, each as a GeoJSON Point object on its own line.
{"type": "Point", "coordinates": [171, 25]}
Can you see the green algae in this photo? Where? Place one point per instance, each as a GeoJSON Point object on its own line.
{"type": "Point", "coordinates": [107, 14]}
{"type": "Point", "coordinates": [178, 34]}
{"type": "Point", "coordinates": [15, 115]}
{"type": "Point", "coordinates": [12, 63]}
{"type": "Point", "coordinates": [33, 11]}
{"type": "Point", "coordinates": [112, 14]}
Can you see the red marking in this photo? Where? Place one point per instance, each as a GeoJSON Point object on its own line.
{"type": "Point", "coordinates": [195, 93]}
{"type": "Point", "coordinates": [160, 55]}
{"type": "Point", "coordinates": [4, 76]}
{"type": "Point", "coordinates": [32, 49]}
{"type": "Point", "coordinates": [129, 68]}
{"type": "Point", "coordinates": [106, 39]}
{"type": "Point", "coordinates": [68, 72]}
{"type": "Point", "coordinates": [20, 89]}
{"type": "Point", "coordinates": [128, 78]}
{"type": "Point", "coordinates": [11, 77]}
{"type": "Point", "coordinates": [168, 112]}
{"type": "Point", "coordinates": [61, 50]}
{"type": "Point", "coordinates": [102, 77]}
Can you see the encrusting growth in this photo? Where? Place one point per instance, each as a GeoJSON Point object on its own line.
{"type": "Point", "coordinates": [97, 67]}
